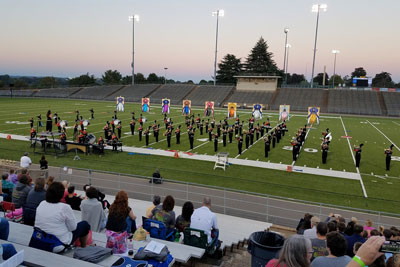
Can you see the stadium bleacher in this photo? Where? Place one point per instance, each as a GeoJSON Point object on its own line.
{"type": "Point", "coordinates": [354, 102]}
{"type": "Point", "coordinates": [96, 92]}
{"type": "Point", "coordinates": [250, 97]}
{"type": "Point", "coordinates": [23, 93]}
{"type": "Point", "coordinates": [392, 101]}
{"type": "Point", "coordinates": [134, 93]}
{"type": "Point", "coordinates": [298, 99]}
{"type": "Point", "coordinates": [56, 92]}
{"type": "Point", "coordinates": [205, 93]}
{"type": "Point", "coordinates": [175, 92]}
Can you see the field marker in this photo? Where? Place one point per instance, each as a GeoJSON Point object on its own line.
{"type": "Point", "coordinates": [305, 138]}
{"type": "Point", "coordinates": [396, 123]}
{"type": "Point", "coordinates": [384, 135]}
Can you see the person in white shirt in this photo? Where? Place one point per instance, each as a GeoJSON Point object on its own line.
{"type": "Point", "coordinates": [57, 218]}
{"type": "Point", "coordinates": [25, 161]}
{"type": "Point", "coordinates": [312, 233]}
{"type": "Point", "coordinates": [203, 219]}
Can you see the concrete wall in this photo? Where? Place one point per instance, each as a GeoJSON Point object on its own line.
{"type": "Point", "coordinates": [257, 84]}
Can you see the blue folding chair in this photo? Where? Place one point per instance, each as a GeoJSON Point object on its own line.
{"type": "Point", "coordinates": [159, 230]}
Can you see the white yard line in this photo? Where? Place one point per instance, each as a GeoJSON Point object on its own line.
{"type": "Point", "coordinates": [396, 123]}
{"type": "Point", "coordinates": [384, 135]}
{"type": "Point", "coordinates": [354, 160]}
{"type": "Point", "coordinates": [305, 138]}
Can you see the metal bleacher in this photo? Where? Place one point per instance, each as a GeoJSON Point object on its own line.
{"type": "Point", "coordinates": [23, 93]}
{"type": "Point", "coordinates": [175, 92]}
{"type": "Point", "coordinates": [392, 101]}
{"type": "Point", "coordinates": [250, 97]}
{"type": "Point", "coordinates": [205, 93]}
{"type": "Point", "coordinates": [299, 99]}
{"type": "Point", "coordinates": [95, 92]}
{"type": "Point", "coordinates": [134, 93]}
{"type": "Point", "coordinates": [56, 92]}
{"type": "Point", "coordinates": [354, 102]}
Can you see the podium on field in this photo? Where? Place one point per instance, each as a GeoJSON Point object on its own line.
{"type": "Point", "coordinates": [222, 160]}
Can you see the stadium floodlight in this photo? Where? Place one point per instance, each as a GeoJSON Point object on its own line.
{"type": "Point", "coordinates": [218, 13]}
{"type": "Point", "coordinates": [133, 19]}
{"type": "Point", "coordinates": [288, 46]}
{"type": "Point", "coordinates": [316, 9]}
{"type": "Point", "coordinates": [335, 52]}
{"type": "Point", "coordinates": [165, 76]}
{"type": "Point", "coordinates": [285, 30]}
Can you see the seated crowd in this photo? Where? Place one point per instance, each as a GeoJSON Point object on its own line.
{"type": "Point", "coordinates": [333, 243]}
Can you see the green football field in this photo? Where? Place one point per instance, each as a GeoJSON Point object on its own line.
{"type": "Point", "coordinates": [381, 186]}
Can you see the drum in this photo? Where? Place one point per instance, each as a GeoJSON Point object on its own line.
{"type": "Point", "coordinates": [144, 119]}
{"type": "Point", "coordinates": [86, 123]}
{"type": "Point", "coordinates": [91, 139]}
{"type": "Point", "coordinates": [116, 122]}
{"type": "Point", "coordinates": [63, 124]}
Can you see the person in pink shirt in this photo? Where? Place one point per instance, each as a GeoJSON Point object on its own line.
{"type": "Point", "coordinates": [296, 252]}
{"type": "Point", "coordinates": [368, 227]}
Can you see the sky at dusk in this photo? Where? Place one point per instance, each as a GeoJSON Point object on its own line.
{"type": "Point", "coordinates": [66, 38]}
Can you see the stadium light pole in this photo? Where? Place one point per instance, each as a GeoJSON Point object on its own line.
{"type": "Point", "coordinates": [288, 46]}
{"type": "Point", "coordinates": [335, 52]}
{"type": "Point", "coordinates": [218, 13]}
{"type": "Point", "coordinates": [165, 76]}
{"type": "Point", "coordinates": [133, 19]}
{"type": "Point", "coordinates": [286, 30]}
{"type": "Point", "coordinates": [316, 9]}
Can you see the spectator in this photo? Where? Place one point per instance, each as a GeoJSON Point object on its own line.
{"type": "Point", "coordinates": [356, 247]}
{"type": "Point", "coordinates": [305, 225]}
{"type": "Point", "coordinates": [57, 218]}
{"type": "Point", "coordinates": [25, 161]}
{"type": "Point", "coordinates": [72, 199]}
{"type": "Point", "coordinates": [336, 245]}
{"type": "Point", "coordinates": [43, 163]}
{"type": "Point", "coordinates": [35, 196]}
{"type": "Point", "coordinates": [13, 177]}
{"type": "Point", "coordinates": [165, 213]}
{"type": "Point", "coordinates": [368, 252]}
{"type": "Point", "coordinates": [8, 249]}
{"type": "Point", "coordinates": [368, 227]}
{"type": "Point", "coordinates": [6, 187]}
{"type": "Point", "coordinates": [204, 219]}
{"type": "Point", "coordinates": [302, 220]}
{"type": "Point", "coordinates": [101, 197]}
{"type": "Point", "coordinates": [121, 217]}
{"type": "Point", "coordinates": [393, 261]}
{"type": "Point", "coordinates": [319, 244]}
{"type": "Point", "coordinates": [66, 184]}
{"type": "Point", "coordinates": [332, 226]}
{"type": "Point", "coordinates": [375, 232]}
{"type": "Point", "coordinates": [156, 177]}
{"type": "Point", "coordinates": [49, 181]}
{"type": "Point", "coordinates": [312, 233]}
{"type": "Point", "coordinates": [381, 229]}
{"type": "Point", "coordinates": [183, 220]}
{"type": "Point", "coordinates": [24, 171]}
{"type": "Point", "coordinates": [20, 193]}
{"type": "Point", "coordinates": [349, 228]}
{"type": "Point", "coordinates": [296, 252]}
{"type": "Point", "coordinates": [156, 202]}
{"type": "Point", "coordinates": [92, 210]}
{"type": "Point", "coordinates": [356, 237]}
{"type": "Point", "coordinates": [388, 234]}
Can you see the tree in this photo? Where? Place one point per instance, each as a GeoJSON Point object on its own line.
{"type": "Point", "coordinates": [46, 82]}
{"type": "Point", "coordinates": [139, 78]}
{"type": "Point", "coordinates": [83, 80]}
{"type": "Point", "coordinates": [383, 79]}
{"type": "Point", "coordinates": [20, 83]}
{"type": "Point", "coordinates": [190, 82]}
{"type": "Point", "coordinates": [338, 80]}
{"type": "Point", "coordinates": [320, 77]}
{"type": "Point", "coordinates": [230, 66]}
{"type": "Point", "coordinates": [358, 72]}
{"type": "Point", "coordinates": [153, 78]}
{"type": "Point", "coordinates": [203, 82]}
{"type": "Point", "coordinates": [295, 78]}
{"type": "Point", "coordinates": [111, 77]}
{"type": "Point", "coordinates": [260, 60]}
{"type": "Point", "coordinates": [127, 79]}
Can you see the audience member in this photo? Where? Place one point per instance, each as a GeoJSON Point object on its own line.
{"type": "Point", "coordinates": [305, 225]}
{"type": "Point", "coordinates": [393, 261]}
{"type": "Point", "coordinates": [6, 187]}
{"type": "Point", "coordinates": [156, 202]}
{"type": "Point", "coordinates": [13, 177]}
{"type": "Point", "coordinates": [66, 184]}
{"type": "Point", "coordinates": [341, 227]}
{"type": "Point", "coordinates": [356, 246]}
{"type": "Point", "coordinates": [302, 220]}
{"type": "Point", "coordinates": [101, 197]}
{"type": "Point", "coordinates": [332, 226]}
{"type": "Point", "coordinates": [156, 177]}
{"type": "Point", "coordinates": [24, 171]}
{"type": "Point", "coordinates": [57, 218]}
{"type": "Point", "coordinates": [375, 232]}
{"type": "Point", "coordinates": [183, 220]}
{"type": "Point", "coordinates": [312, 233]}
{"type": "Point", "coordinates": [368, 227]}
{"type": "Point", "coordinates": [49, 181]}
{"type": "Point", "coordinates": [388, 234]}
{"type": "Point", "coordinates": [368, 252]}
{"type": "Point", "coordinates": [336, 245]}
{"type": "Point", "coordinates": [356, 237]}
{"type": "Point", "coordinates": [296, 252]}
{"type": "Point", "coordinates": [92, 210]}
{"type": "Point", "coordinates": [35, 196]}
{"type": "Point", "coordinates": [73, 200]}
{"type": "Point", "coordinates": [204, 219]}
{"type": "Point", "coordinates": [20, 193]}
{"type": "Point", "coordinates": [121, 217]}
{"type": "Point", "coordinates": [25, 161]}
{"type": "Point", "coordinates": [43, 163]}
{"type": "Point", "coordinates": [8, 249]}
{"type": "Point", "coordinates": [165, 213]}
{"type": "Point", "coordinates": [319, 244]}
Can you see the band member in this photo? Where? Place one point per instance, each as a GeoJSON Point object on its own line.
{"type": "Point", "coordinates": [191, 138]}
{"type": "Point", "coordinates": [92, 113]}
{"type": "Point", "coordinates": [230, 134]}
{"type": "Point", "coordinates": [210, 134]}
{"type": "Point", "coordinates": [31, 121]}
{"type": "Point", "coordinates": [140, 130]}
{"type": "Point", "coordinates": [146, 135]}
{"type": "Point", "coordinates": [141, 120]}
{"type": "Point", "coordinates": [295, 151]}
{"type": "Point", "coordinates": [213, 123]}
{"type": "Point", "coordinates": [284, 128]}
{"type": "Point", "coordinates": [101, 145]}
{"type": "Point", "coordinates": [278, 134]}
{"type": "Point", "coordinates": [266, 146]}
{"type": "Point", "coordinates": [224, 133]}
{"type": "Point", "coordinates": [168, 133]}
{"type": "Point", "coordinates": [201, 127]}
{"type": "Point", "coordinates": [324, 148]}
{"type": "Point", "coordinates": [33, 133]}
{"type": "Point", "coordinates": [81, 138]}
{"type": "Point", "coordinates": [207, 123]}
{"type": "Point", "coordinates": [59, 126]}
{"type": "Point", "coordinates": [251, 134]}
{"type": "Point", "coordinates": [77, 115]}
{"type": "Point", "coordinates": [240, 144]}
{"type": "Point", "coordinates": [81, 123]}
{"type": "Point", "coordinates": [63, 139]}
{"type": "Point", "coordinates": [251, 122]}
{"type": "Point", "coordinates": [113, 125]}
{"type": "Point", "coordinates": [241, 127]}
{"type": "Point", "coordinates": [178, 135]}
{"type": "Point", "coordinates": [56, 118]}
{"type": "Point", "coordinates": [75, 130]}
{"type": "Point", "coordinates": [247, 138]}
{"type": "Point", "coordinates": [156, 132]}
{"type": "Point", "coordinates": [219, 128]}
{"type": "Point", "coordinates": [261, 129]}
{"type": "Point", "coordinates": [119, 129]}
{"type": "Point", "coordinates": [114, 142]}
{"type": "Point", "coordinates": [115, 115]}
{"type": "Point", "coordinates": [198, 120]}
{"type": "Point", "coordinates": [132, 124]}
{"type": "Point", "coordinates": [49, 122]}
{"type": "Point", "coordinates": [257, 131]}
{"type": "Point", "coordinates": [236, 129]}
{"type": "Point", "coordinates": [273, 135]}
{"type": "Point", "coordinates": [215, 142]}
{"type": "Point", "coordinates": [389, 153]}
{"type": "Point", "coordinates": [133, 115]}
{"type": "Point", "coordinates": [358, 151]}
{"type": "Point", "coordinates": [106, 128]}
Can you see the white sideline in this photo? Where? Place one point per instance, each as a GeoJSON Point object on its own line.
{"type": "Point", "coordinates": [384, 135]}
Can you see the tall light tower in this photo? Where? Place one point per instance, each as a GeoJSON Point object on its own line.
{"type": "Point", "coordinates": [288, 46]}
{"type": "Point", "coordinates": [218, 13]}
{"type": "Point", "coordinates": [165, 76]}
{"type": "Point", "coordinates": [335, 52]}
{"type": "Point", "coordinates": [133, 19]}
{"type": "Point", "coordinates": [286, 30]}
{"type": "Point", "coordinates": [316, 9]}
